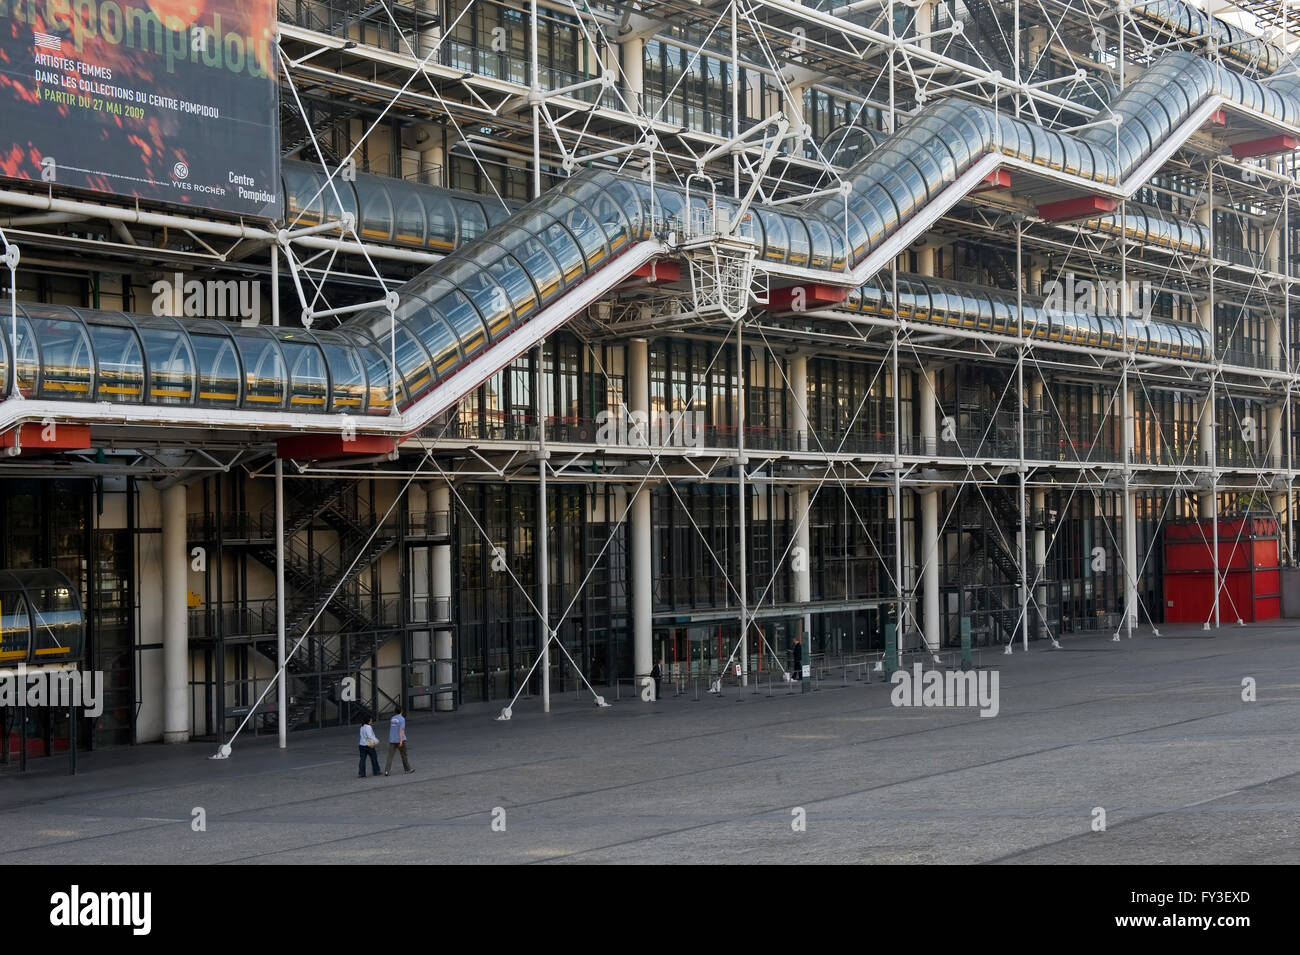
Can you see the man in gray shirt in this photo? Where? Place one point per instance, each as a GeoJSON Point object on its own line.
{"type": "Point", "coordinates": [397, 741]}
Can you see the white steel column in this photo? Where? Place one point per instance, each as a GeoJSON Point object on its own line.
{"type": "Point", "coordinates": [929, 516]}
{"type": "Point", "coordinates": [633, 53]}
{"type": "Point", "coordinates": [638, 387]}
{"type": "Point", "coordinates": [175, 617]}
{"type": "Point", "coordinates": [543, 532]}
{"type": "Point", "coordinates": [800, 498]}
{"type": "Point", "coordinates": [1127, 434]}
{"type": "Point", "coordinates": [1274, 440]}
{"type": "Point", "coordinates": [741, 463]}
{"type": "Point", "coordinates": [282, 674]}
{"type": "Point", "coordinates": [1286, 345]}
{"type": "Point", "coordinates": [799, 400]}
{"type": "Point", "coordinates": [536, 87]}
{"type": "Point", "coordinates": [1207, 318]}
{"type": "Point", "coordinates": [1039, 512]}
{"type": "Point", "coordinates": [1205, 429]}
{"type": "Point", "coordinates": [926, 402]}
{"type": "Point", "coordinates": [444, 666]}
{"type": "Point", "coordinates": [1130, 519]}
{"type": "Point", "coordinates": [793, 110]}
{"type": "Point", "coordinates": [433, 155]}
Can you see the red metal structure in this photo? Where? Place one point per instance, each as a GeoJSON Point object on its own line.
{"type": "Point", "coordinates": [1251, 585]}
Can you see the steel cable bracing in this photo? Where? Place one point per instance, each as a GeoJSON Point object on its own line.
{"type": "Point", "coordinates": [830, 472]}
{"type": "Point", "coordinates": [224, 751]}
{"type": "Point", "coordinates": [879, 198]}
{"type": "Point", "coordinates": [812, 497]}
{"type": "Point", "coordinates": [830, 475]}
{"type": "Point", "coordinates": [656, 454]}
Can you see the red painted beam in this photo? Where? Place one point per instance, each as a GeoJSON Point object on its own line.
{"type": "Point", "coordinates": [45, 438]}
{"type": "Point", "coordinates": [1081, 207]}
{"type": "Point", "coordinates": [1268, 146]}
{"type": "Point", "coordinates": [1218, 118]}
{"type": "Point", "coordinates": [660, 271]}
{"type": "Point", "coordinates": [330, 446]}
{"type": "Point", "coordinates": [800, 298]}
{"type": "Point", "coordinates": [997, 179]}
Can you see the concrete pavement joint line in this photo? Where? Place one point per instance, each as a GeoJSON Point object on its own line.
{"type": "Point", "coordinates": [539, 802]}
{"type": "Point", "coordinates": [145, 790]}
{"type": "Point", "coordinates": [858, 792]}
{"type": "Point", "coordinates": [1187, 696]}
{"type": "Point", "coordinates": [317, 845]}
{"type": "Point", "coordinates": [1073, 678]}
{"type": "Point", "coordinates": [746, 728]}
{"type": "Point", "coordinates": [1145, 818]}
{"type": "Point", "coordinates": [658, 779]}
{"type": "Point", "coordinates": [67, 842]}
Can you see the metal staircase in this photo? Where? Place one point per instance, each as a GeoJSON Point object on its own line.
{"type": "Point", "coordinates": [324, 583]}
{"type": "Point", "coordinates": [299, 133]}
{"type": "Point", "coordinates": [1000, 272]}
{"type": "Point", "coordinates": [989, 29]}
{"type": "Point", "coordinates": [990, 569]}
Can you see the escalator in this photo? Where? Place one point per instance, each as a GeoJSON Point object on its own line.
{"type": "Point", "coordinates": [499, 294]}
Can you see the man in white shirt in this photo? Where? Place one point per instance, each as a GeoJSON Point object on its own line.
{"type": "Point", "coordinates": [369, 743]}
{"type": "Point", "coordinates": [397, 741]}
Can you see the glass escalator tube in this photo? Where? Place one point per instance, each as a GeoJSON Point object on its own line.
{"type": "Point", "coordinates": [984, 308]}
{"type": "Point", "coordinates": [170, 360]}
{"type": "Point", "coordinates": [872, 298]}
{"type": "Point", "coordinates": [15, 620]}
{"type": "Point", "coordinates": [58, 627]}
{"type": "Point", "coordinates": [304, 202]}
{"type": "Point", "coordinates": [375, 355]}
{"type": "Point", "coordinates": [825, 253]}
{"type": "Point", "coordinates": [441, 224]}
{"type": "Point", "coordinates": [66, 367]}
{"type": "Point", "coordinates": [266, 382]}
{"type": "Point", "coordinates": [375, 208]}
{"type": "Point", "coordinates": [1004, 313]}
{"type": "Point", "coordinates": [41, 619]}
{"type": "Point", "coordinates": [216, 354]}
{"type": "Point", "coordinates": [309, 382]}
{"type": "Point", "coordinates": [907, 302]}
{"type": "Point", "coordinates": [776, 243]}
{"type": "Point", "coordinates": [345, 372]}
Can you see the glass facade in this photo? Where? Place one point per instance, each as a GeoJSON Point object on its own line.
{"type": "Point", "coordinates": [66, 596]}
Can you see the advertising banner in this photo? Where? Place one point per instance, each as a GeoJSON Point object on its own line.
{"type": "Point", "coordinates": [172, 101]}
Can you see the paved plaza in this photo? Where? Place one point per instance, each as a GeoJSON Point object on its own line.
{"type": "Point", "coordinates": [1153, 731]}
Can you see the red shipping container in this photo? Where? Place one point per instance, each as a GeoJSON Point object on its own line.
{"type": "Point", "coordinates": [1250, 581]}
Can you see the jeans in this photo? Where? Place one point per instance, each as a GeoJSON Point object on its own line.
{"type": "Point", "coordinates": [374, 760]}
{"type": "Point", "coordinates": [396, 748]}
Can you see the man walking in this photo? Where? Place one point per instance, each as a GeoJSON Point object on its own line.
{"type": "Point", "coordinates": [397, 741]}
{"type": "Point", "coordinates": [369, 744]}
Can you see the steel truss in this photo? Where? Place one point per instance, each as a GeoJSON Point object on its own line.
{"type": "Point", "coordinates": [1057, 62]}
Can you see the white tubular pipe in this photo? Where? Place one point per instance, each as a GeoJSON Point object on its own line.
{"type": "Point", "coordinates": [93, 210]}
{"type": "Point", "coordinates": [640, 530]}
{"type": "Point", "coordinates": [175, 617]}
